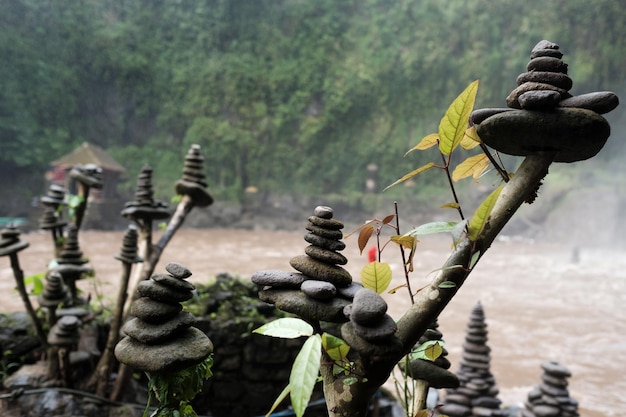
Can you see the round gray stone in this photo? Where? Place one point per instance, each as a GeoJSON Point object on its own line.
{"type": "Point", "coordinates": [171, 281]}
{"type": "Point", "coordinates": [368, 308]}
{"type": "Point", "coordinates": [383, 330]}
{"type": "Point", "coordinates": [324, 212]}
{"type": "Point", "coordinates": [331, 224]}
{"type": "Point", "coordinates": [322, 242]}
{"type": "Point", "coordinates": [539, 100]}
{"type": "Point", "coordinates": [600, 102]}
{"type": "Point", "coordinates": [296, 302]}
{"type": "Point", "coordinates": [320, 290]}
{"type": "Point", "coordinates": [178, 270]}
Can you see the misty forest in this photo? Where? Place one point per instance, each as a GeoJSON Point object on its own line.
{"type": "Point", "coordinates": [285, 96]}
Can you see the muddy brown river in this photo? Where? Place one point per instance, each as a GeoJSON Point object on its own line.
{"type": "Point", "coordinates": [540, 303]}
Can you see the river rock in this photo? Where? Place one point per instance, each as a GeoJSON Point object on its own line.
{"type": "Point", "coordinates": [161, 292]}
{"type": "Point", "coordinates": [278, 279]}
{"type": "Point", "coordinates": [153, 311]}
{"type": "Point", "coordinates": [153, 333]}
{"type": "Point", "coordinates": [367, 308]}
{"type": "Point", "coordinates": [320, 290]}
{"type": "Point", "coordinates": [298, 303]}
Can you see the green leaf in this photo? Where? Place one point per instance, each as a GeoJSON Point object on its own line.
{"type": "Point", "coordinates": [376, 276]}
{"type": "Point", "coordinates": [286, 328]}
{"type": "Point", "coordinates": [350, 380]}
{"type": "Point", "coordinates": [429, 350]}
{"type": "Point", "coordinates": [335, 347]}
{"type": "Point", "coordinates": [432, 228]}
{"type": "Point", "coordinates": [475, 258]}
{"type": "Point", "coordinates": [478, 220]}
{"type": "Point", "coordinates": [458, 232]}
{"type": "Point", "coordinates": [411, 174]}
{"type": "Point", "coordinates": [281, 397]}
{"type": "Point", "coordinates": [447, 284]}
{"type": "Point", "coordinates": [454, 123]}
{"type": "Point", "coordinates": [304, 373]}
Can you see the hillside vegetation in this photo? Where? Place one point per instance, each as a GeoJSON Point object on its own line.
{"type": "Point", "coordinates": [287, 96]}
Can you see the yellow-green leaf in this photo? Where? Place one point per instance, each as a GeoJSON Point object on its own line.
{"type": "Point", "coordinates": [451, 205]}
{"type": "Point", "coordinates": [376, 276]}
{"type": "Point", "coordinates": [407, 241]}
{"type": "Point", "coordinates": [454, 123]}
{"type": "Point", "coordinates": [433, 351]}
{"type": "Point", "coordinates": [335, 347]}
{"type": "Point", "coordinates": [472, 166]}
{"type": "Point", "coordinates": [478, 220]}
{"type": "Point", "coordinates": [470, 139]}
{"type": "Point", "coordinates": [412, 174]}
{"type": "Point", "coordinates": [427, 142]}
{"type": "Point", "coordinates": [364, 236]}
{"type": "Point", "coordinates": [286, 328]}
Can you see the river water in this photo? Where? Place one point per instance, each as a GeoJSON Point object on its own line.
{"type": "Point", "coordinates": [542, 301]}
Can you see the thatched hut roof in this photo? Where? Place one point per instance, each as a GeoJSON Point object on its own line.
{"type": "Point", "coordinates": [88, 153]}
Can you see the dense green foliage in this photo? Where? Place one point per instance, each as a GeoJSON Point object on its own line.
{"type": "Point", "coordinates": [285, 95]}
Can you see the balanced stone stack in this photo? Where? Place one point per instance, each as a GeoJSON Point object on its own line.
{"type": "Point", "coordinates": [370, 331]}
{"type": "Point", "coordinates": [435, 372]}
{"type": "Point", "coordinates": [161, 338]}
{"type": "Point", "coordinates": [477, 393]}
{"type": "Point", "coordinates": [193, 182]}
{"type": "Point", "coordinates": [322, 287]}
{"type": "Point", "coordinates": [55, 293]}
{"type": "Point", "coordinates": [128, 254]}
{"type": "Point", "coordinates": [10, 242]}
{"type": "Point", "coordinates": [551, 398]}
{"type": "Point", "coordinates": [543, 116]}
{"type": "Point", "coordinates": [65, 332]}
{"type": "Point", "coordinates": [144, 207]}
{"type": "Point", "coordinates": [50, 218]}
{"type": "Point", "coordinates": [71, 264]}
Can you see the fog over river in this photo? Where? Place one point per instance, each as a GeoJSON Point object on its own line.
{"type": "Point", "coordinates": [541, 303]}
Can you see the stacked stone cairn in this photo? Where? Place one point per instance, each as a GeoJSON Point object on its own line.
{"type": "Point", "coordinates": [144, 207]}
{"type": "Point", "coordinates": [193, 183]}
{"type": "Point", "coordinates": [160, 338]}
{"type": "Point", "coordinates": [477, 393]}
{"type": "Point", "coordinates": [543, 116]}
{"type": "Point", "coordinates": [10, 242]}
{"type": "Point", "coordinates": [321, 288]}
{"type": "Point", "coordinates": [436, 373]}
{"type": "Point", "coordinates": [370, 331]}
{"type": "Point", "coordinates": [50, 219]}
{"type": "Point", "coordinates": [55, 293]}
{"type": "Point", "coordinates": [71, 264]}
{"type": "Point", "coordinates": [551, 398]}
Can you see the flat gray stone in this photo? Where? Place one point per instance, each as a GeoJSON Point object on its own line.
{"type": "Point", "coordinates": [327, 233]}
{"type": "Point", "coordinates": [325, 255]}
{"type": "Point", "coordinates": [279, 279]}
{"type": "Point", "coordinates": [331, 224]}
{"type": "Point", "coordinates": [600, 102]}
{"type": "Point", "coordinates": [512, 98]}
{"type": "Point", "coordinates": [190, 348]}
{"type": "Point", "coordinates": [574, 134]}
{"type": "Point", "coordinates": [539, 100]}
{"type": "Point", "coordinates": [152, 311]}
{"type": "Point", "coordinates": [350, 291]}
{"type": "Point", "coordinates": [556, 79]}
{"type": "Point", "coordinates": [391, 346]}
{"type": "Point", "coordinates": [171, 281]}
{"type": "Point", "coordinates": [425, 370]}
{"type": "Point", "coordinates": [162, 292]}
{"type": "Point", "coordinates": [556, 369]}
{"type": "Point", "coordinates": [547, 63]}
{"type": "Point", "coordinates": [298, 303]}
{"type": "Point", "coordinates": [155, 333]}
{"type": "Point", "coordinates": [322, 242]}
{"type": "Point", "coordinates": [383, 330]}
{"type": "Point", "coordinates": [178, 270]}
{"type": "Point", "coordinates": [321, 271]}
